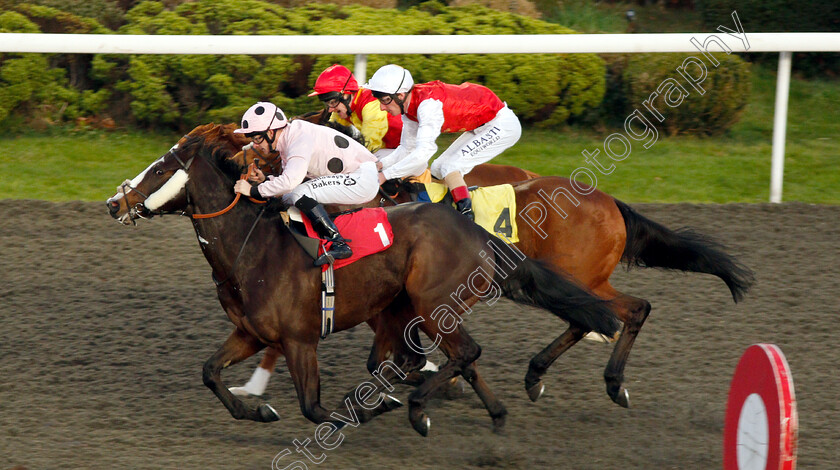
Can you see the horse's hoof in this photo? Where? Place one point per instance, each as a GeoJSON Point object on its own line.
{"type": "Point", "coordinates": [391, 403]}
{"type": "Point", "coordinates": [240, 391]}
{"type": "Point", "coordinates": [622, 398]}
{"type": "Point", "coordinates": [499, 425]}
{"type": "Point", "coordinates": [429, 367]}
{"type": "Point", "coordinates": [596, 337]}
{"type": "Point", "coordinates": [536, 391]}
{"type": "Point", "coordinates": [422, 425]}
{"type": "Point", "coordinates": [267, 413]}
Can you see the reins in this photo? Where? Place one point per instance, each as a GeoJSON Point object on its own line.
{"type": "Point", "coordinates": [386, 196]}
{"type": "Point", "coordinates": [229, 207]}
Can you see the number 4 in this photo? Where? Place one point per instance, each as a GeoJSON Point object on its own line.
{"type": "Point", "coordinates": [503, 224]}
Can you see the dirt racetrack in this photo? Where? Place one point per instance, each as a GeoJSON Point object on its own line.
{"type": "Point", "coordinates": [105, 329]}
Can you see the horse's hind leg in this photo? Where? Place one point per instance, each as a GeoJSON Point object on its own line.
{"type": "Point", "coordinates": [494, 407]}
{"type": "Point", "coordinates": [237, 347]}
{"type": "Point", "coordinates": [542, 361]}
{"type": "Point", "coordinates": [633, 311]}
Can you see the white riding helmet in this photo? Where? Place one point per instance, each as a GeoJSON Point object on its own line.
{"type": "Point", "coordinates": [262, 117]}
{"type": "Point", "coordinates": [390, 79]}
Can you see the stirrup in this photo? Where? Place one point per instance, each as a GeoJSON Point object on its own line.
{"type": "Point", "coordinates": [338, 250]}
{"type": "Point", "coordinates": [464, 206]}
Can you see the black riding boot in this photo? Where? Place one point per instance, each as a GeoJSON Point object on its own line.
{"type": "Point", "coordinates": [464, 206]}
{"type": "Point", "coordinates": [326, 229]}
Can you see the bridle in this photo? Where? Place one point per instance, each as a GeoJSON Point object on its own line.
{"type": "Point", "coordinates": [186, 166]}
{"type": "Point", "coordinates": [139, 210]}
{"type": "Point", "coordinates": [261, 163]}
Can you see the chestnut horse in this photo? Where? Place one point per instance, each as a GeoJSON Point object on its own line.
{"type": "Point", "coordinates": [586, 233]}
{"type": "Point", "coordinates": [269, 288]}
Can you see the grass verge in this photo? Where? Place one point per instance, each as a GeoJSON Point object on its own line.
{"type": "Point", "coordinates": [732, 168]}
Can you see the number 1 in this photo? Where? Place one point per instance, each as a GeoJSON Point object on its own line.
{"type": "Point", "coordinates": [380, 229]}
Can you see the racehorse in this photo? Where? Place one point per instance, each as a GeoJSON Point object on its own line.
{"type": "Point", "coordinates": [269, 288]}
{"type": "Point", "coordinates": [587, 233]}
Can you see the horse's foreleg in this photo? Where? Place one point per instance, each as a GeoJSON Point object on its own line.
{"type": "Point", "coordinates": [542, 361]}
{"type": "Point", "coordinates": [494, 407]}
{"type": "Point", "coordinates": [258, 382]}
{"type": "Point", "coordinates": [302, 362]}
{"type": "Point", "coordinates": [633, 311]}
{"type": "Point", "coordinates": [237, 347]}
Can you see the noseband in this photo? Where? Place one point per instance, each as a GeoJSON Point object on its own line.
{"type": "Point", "coordinates": [139, 209]}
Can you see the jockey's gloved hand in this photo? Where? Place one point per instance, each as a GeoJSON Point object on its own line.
{"type": "Point", "coordinates": [392, 186]}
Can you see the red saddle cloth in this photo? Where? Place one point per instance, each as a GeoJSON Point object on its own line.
{"type": "Point", "coordinates": [368, 230]}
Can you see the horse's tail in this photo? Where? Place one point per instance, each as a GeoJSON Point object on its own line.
{"type": "Point", "coordinates": [532, 282]}
{"type": "Point", "coordinates": [651, 245]}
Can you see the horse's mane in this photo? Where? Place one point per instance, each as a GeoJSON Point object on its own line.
{"type": "Point", "coordinates": [216, 143]}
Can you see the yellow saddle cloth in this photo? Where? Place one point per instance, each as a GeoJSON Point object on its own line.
{"type": "Point", "coordinates": [494, 208]}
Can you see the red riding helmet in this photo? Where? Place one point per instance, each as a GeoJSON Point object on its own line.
{"type": "Point", "coordinates": [333, 82]}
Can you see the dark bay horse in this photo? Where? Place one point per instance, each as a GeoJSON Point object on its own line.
{"type": "Point", "coordinates": [588, 233]}
{"type": "Point", "coordinates": [270, 290]}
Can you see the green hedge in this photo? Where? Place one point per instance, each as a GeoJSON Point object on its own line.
{"type": "Point", "coordinates": [769, 16]}
{"type": "Point", "coordinates": [727, 90]}
{"type": "Point", "coordinates": [177, 91]}
{"type": "Point", "coordinates": [29, 85]}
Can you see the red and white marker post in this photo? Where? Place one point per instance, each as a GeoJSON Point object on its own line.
{"type": "Point", "coordinates": [761, 426]}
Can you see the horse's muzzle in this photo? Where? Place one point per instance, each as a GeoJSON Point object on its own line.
{"type": "Point", "coordinates": [113, 207]}
{"type": "Point", "coordinates": [119, 210]}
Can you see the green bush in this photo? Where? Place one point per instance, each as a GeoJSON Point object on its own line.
{"type": "Point", "coordinates": [105, 12]}
{"type": "Point", "coordinates": [179, 91]}
{"type": "Point", "coordinates": [727, 89]}
{"type": "Point", "coordinates": [182, 90]}
{"type": "Point", "coordinates": [29, 86]}
{"type": "Point", "coordinates": [767, 16]}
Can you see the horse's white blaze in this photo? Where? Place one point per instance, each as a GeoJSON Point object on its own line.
{"type": "Point", "coordinates": [134, 182]}
{"type": "Point", "coordinates": [168, 191]}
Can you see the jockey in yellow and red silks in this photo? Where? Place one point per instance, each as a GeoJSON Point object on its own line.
{"type": "Point", "coordinates": [429, 109]}
{"type": "Point", "coordinates": [337, 88]}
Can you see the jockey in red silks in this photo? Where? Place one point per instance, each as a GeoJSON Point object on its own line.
{"type": "Point", "coordinates": [428, 109]}
{"type": "Point", "coordinates": [340, 170]}
{"type": "Point", "coordinates": [337, 88]}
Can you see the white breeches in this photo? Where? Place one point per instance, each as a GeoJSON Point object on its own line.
{"type": "Point", "coordinates": [357, 187]}
{"type": "Point", "coordinates": [480, 145]}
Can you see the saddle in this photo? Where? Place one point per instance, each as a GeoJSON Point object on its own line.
{"type": "Point", "coordinates": [367, 231]}
{"type": "Point", "coordinates": [494, 206]}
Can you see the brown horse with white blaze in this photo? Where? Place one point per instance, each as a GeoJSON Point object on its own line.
{"type": "Point", "coordinates": [587, 233]}
{"type": "Point", "coordinates": [270, 290]}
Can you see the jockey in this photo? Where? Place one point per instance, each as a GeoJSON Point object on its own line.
{"type": "Point", "coordinates": [428, 109]}
{"type": "Point", "coordinates": [338, 90]}
{"type": "Point", "coordinates": [341, 170]}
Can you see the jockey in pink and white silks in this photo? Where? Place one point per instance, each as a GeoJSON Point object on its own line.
{"type": "Point", "coordinates": [341, 170]}
{"type": "Point", "coordinates": [429, 109]}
